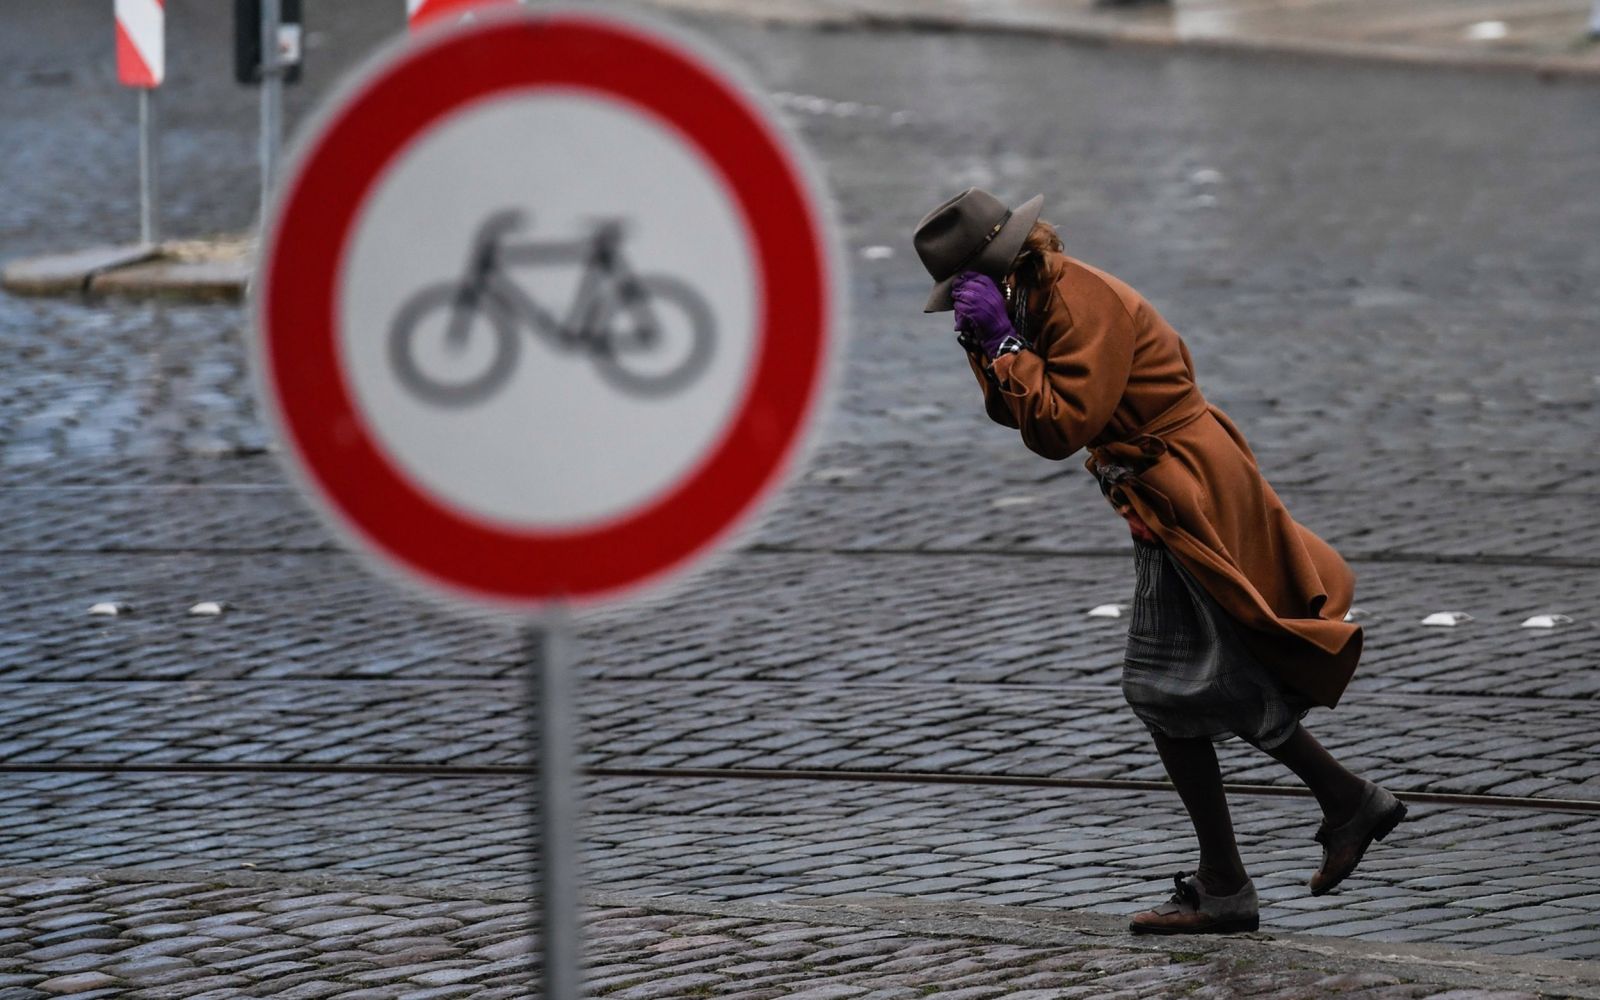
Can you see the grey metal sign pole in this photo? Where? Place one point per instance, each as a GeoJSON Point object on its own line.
{"type": "Point", "coordinates": [271, 100]}
{"type": "Point", "coordinates": [149, 181]}
{"type": "Point", "coordinates": [552, 656]}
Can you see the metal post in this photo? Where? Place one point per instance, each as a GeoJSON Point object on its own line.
{"type": "Point", "coordinates": [271, 101]}
{"type": "Point", "coordinates": [149, 181]}
{"type": "Point", "coordinates": [550, 650]}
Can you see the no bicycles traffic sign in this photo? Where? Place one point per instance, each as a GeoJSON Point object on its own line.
{"type": "Point", "coordinates": [544, 307]}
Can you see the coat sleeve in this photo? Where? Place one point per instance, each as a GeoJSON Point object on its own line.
{"type": "Point", "coordinates": [994, 402]}
{"type": "Point", "coordinates": [1063, 393]}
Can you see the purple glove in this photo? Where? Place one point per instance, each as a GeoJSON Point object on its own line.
{"type": "Point", "coordinates": [981, 311]}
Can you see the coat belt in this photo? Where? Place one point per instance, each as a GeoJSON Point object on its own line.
{"type": "Point", "coordinates": [1118, 464]}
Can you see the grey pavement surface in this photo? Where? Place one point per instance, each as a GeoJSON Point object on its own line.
{"type": "Point", "coordinates": [1541, 750]}
{"type": "Point", "coordinates": [871, 617]}
{"type": "Point", "coordinates": [1386, 276]}
{"type": "Point", "coordinates": [162, 938]}
{"type": "Point", "coordinates": [732, 840]}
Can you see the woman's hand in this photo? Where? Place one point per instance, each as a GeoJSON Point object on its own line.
{"type": "Point", "coordinates": [981, 311]}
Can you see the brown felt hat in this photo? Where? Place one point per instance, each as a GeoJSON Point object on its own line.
{"type": "Point", "coordinates": [974, 231]}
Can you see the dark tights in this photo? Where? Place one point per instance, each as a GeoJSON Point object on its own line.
{"type": "Point", "coordinates": [1338, 791]}
{"type": "Point", "coordinates": [1192, 766]}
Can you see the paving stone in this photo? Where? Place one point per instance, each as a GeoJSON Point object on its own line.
{"type": "Point", "coordinates": [842, 633]}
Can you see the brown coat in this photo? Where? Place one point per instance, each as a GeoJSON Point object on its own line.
{"type": "Point", "coordinates": [1111, 375]}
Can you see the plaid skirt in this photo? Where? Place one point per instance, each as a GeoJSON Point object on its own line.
{"type": "Point", "coordinates": [1186, 672]}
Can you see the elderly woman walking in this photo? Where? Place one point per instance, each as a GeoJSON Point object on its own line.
{"type": "Point", "coordinates": [1238, 612]}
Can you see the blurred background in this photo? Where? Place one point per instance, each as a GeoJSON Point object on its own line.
{"type": "Point", "coordinates": [878, 749]}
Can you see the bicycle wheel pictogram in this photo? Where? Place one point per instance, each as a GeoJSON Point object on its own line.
{"type": "Point", "coordinates": [452, 348]}
{"type": "Point", "coordinates": [667, 343]}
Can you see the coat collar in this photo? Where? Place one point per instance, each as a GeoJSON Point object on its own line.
{"type": "Point", "coordinates": [1041, 296]}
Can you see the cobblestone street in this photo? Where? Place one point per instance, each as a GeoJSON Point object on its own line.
{"type": "Point", "coordinates": [830, 766]}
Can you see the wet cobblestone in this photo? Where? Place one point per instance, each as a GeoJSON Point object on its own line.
{"type": "Point", "coordinates": [401, 947]}
{"type": "Point", "coordinates": [1398, 309]}
{"type": "Point", "coordinates": [1497, 880]}
{"type": "Point", "coordinates": [771, 616]}
{"type": "Point", "coordinates": [1540, 749]}
{"type": "Point", "coordinates": [895, 504]}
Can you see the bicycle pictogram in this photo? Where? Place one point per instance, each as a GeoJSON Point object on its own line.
{"type": "Point", "coordinates": [648, 335]}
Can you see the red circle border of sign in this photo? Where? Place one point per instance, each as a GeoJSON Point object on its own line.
{"type": "Point", "coordinates": [301, 362]}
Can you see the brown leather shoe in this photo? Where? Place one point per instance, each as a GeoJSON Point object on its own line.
{"type": "Point", "coordinates": [1344, 846]}
{"type": "Point", "coordinates": [1192, 910]}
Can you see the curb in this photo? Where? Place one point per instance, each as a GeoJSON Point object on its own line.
{"type": "Point", "coordinates": [1035, 927]}
{"type": "Point", "coordinates": [1087, 32]}
{"type": "Point", "coordinates": [70, 273]}
{"type": "Point", "coordinates": [203, 272]}
{"type": "Point", "coordinates": [196, 280]}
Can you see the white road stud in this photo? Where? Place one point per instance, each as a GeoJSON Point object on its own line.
{"type": "Point", "coordinates": [1547, 621]}
{"type": "Point", "coordinates": [834, 474]}
{"type": "Point", "coordinates": [1001, 503]}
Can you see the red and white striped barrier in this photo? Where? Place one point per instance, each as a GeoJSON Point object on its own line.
{"type": "Point", "coordinates": [141, 43]}
{"type": "Point", "coordinates": [419, 12]}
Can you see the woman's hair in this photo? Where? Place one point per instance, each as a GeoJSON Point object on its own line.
{"type": "Point", "coordinates": [1029, 263]}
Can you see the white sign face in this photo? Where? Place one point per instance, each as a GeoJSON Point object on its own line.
{"type": "Point", "coordinates": [548, 309]}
